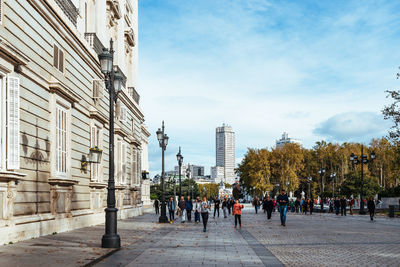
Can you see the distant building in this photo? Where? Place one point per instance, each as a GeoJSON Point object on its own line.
{"type": "Point", "coordinates": [286, 139]}
{"type": "Point", "coordinates": [225, 154]}
{"type": "Point", "coordinates": [197, 171]}
{"type": "Point", "coordinates": [217, 174]}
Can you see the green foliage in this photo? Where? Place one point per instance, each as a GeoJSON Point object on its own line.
{"type": "Point", "coordinates": [261, 169]}
{"type": "Point", "coordinates": [352, 185]}
{"type": "Point", "coordinates": [209, 190]}
{"type": "Point", "coordinates": [390, 192]}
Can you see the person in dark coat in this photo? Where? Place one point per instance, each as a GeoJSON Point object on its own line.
{"type": "Point", "coordinates": [216, 206]}
{"type": "Point", "coordinates": [157, 206]}
{"type": "Point", "coordinates": [182, 207]}
{"type": "Point", "coordinates": [311, 206]}
{"type": "Point", "coordinates": [343, 204]}
{"type": "Point", "coordinates": [305, 206]}
{"type": "Point", "coordinates": [297, 205]}
{"type": "Point", "coordinates": [269, 206]}
{"type": "Point", "coordinates": [236, 192]}
{"type": "Point", "coordinates": [189, 208]}
{"type": "Point", "coordinates": [371, 208]}
{"type": "Point", "coordinates": [283, 201]}
{"type": "Point", "coordinates": [337, 205]}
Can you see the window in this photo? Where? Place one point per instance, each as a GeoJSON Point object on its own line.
{"type": "Point", "coordinates": [9, 119]}
{"type": "Point", "coordinates": [61, 141]}
{"type": "Point", "coordinates": [96, 141]}
{"type": "Point", "coordinates": [121, 162]}
{"type": "Point", "coordinates": [58, 58]}
{"type": "Point", "coordinates": [97, 90]}
{"type": "Point", "coordinates": [123, 114]}
{"type": "Point", "coordinates": [134, 167]}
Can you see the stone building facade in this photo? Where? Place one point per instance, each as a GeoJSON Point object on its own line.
{"type": "Point", "coordinates": [54, 108]}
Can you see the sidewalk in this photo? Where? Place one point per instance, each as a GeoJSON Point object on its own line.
{"type": "Point", "coordinates": [74, 248]}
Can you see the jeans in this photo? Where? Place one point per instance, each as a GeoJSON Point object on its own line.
{"type": "Point", "coordinates": [216, 209]}
{"type": "Point", "coordinates": [238, 218]}
{"type": "Point", "coordinates": [283, 210]}
{"type": "Point", "coordinates": [171, 215]}
{"type": "Point", "coordinates": [196, 216]}
{"type": "Point", "coordinates": [343, 211]}
{"type": "Point", "coordinates": [256, 207]}
{"type": "Point", "coordinates": [204, 216]}
{"type": "Point", "coordinates": [269, 212]}
{"type": "Point", "coordinates": [225, 209]}
{"type": "Point", "coordinates": [157, 210]}
{"type": "Point", "coordinates": [189, 215]}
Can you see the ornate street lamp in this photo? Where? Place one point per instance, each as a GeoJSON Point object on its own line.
{"type": "Point", "coordinates": [333, 176]}
{"type": "Point", "coordinates": [309, 179]}
{"type": "Point", "coordinates": [179, 157]}
{"type": "Point", "coordinates": [163, 141]}
{"type": "Point", "coordinates": [321, 172]}
{"type": "Point", "coordinates": [363, 160]}
{"type": "Point", "coordinates": [113, 82]}
{"type": "Point", "coordinates": [188, 177]}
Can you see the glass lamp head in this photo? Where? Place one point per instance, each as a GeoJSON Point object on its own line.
{"type": "Point", "coordinates": [106, 61]}
{"type": "Point", "coordinates": [118, 81]}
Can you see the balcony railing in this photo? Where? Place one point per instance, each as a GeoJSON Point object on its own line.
{"type": "Point", "coordinates": [132, 92]}
{"type": "Point", "coordinates": [116, 68]}
{"type": "Point", "coordinates": [94, 42]}
{"type": "Point", "coordinates": [69, 10]}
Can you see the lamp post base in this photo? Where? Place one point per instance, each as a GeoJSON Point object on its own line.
{"type": "Point", "coordinates": [163, 219]}
{"type": "Point", "coordinates": [111, 239]}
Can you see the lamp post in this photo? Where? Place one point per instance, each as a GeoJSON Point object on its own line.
{"type": "Point", "coordinates": [364, 160]}
{"type": "Point", "coordinates": [113, 81]}
{"type": "Point", "coordinates": [163, 141]}
{"type": "Point", "coordinates": [321, 172]}
{"type": "Point", "coordinates": [179, 157]}
{"type": "Point", "coordinates": [333, 176]}
{"type": "Point", "coordinates": [309, 179]}
{"type": "Point", "coordinates": [188, 177]}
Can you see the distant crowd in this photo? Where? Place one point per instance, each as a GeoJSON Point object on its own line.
{"type": "Point", "coordinates": [201, 208]}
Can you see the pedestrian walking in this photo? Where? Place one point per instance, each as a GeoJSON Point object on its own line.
{"type": "Point", "coordinates": [337, 205]}
{"type": "Point", "coordinates": [343, 204]}
{"type": "Point", "coordinates": [196, 208]}
{"type": "Point", "coordinates": [311, 206]}
{"type": "Point", "coordinates": [269, 205]}
{"type": "Point", "coordinates": [189, 208]}
{"type": "Point", "coordinates": [225, 207]}
{"type": "Point", "coordinates": [283, 202]}
{"type": "Point", "coordinates": [305, 206]}
{"type": "Point", "coordinates": [297, 205]}
{"type": "Point", "coordinates": [351, 206]}
{"type": "Point", "coordinates": [171, 209]}
{"type": "Point", "coordinates": [256, 204]}
{"type": "Point", "coordinates": [204, 210]}
{"type": "Point", "coordinates": [291, 205]}
{"type": "Point", "coordinates": [182, 208]}
{"type": "Point", "coordinates": [371, 208]}
{"type": "Point", "coordinates": [229, 205]}
{"type": "Point", "coordinates": [156, 205]}
{"type": "Point", "coordinates": [216, 206]}
{"type": "Point", "coordinates": [237, 212]}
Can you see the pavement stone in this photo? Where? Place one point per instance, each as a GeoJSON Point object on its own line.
{"type": "Point", "coordinates": [307, 240]}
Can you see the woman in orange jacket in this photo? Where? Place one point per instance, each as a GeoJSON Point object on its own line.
{"type": "Point", "coordinates": [237, 212]}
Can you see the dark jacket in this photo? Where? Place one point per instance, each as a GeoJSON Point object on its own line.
{"type": "Point", "coordinates": [182, 204]}
{"type": "Point", "coordinates": [343, 203]}
{"type": "Point", "coordinates": [216, 203]}
{"type": "Point", "coordinates": [156, 203]}
{"type": "Point", "coordinates": [189, 205]}
{"type": "Point", "coordinates": [282, 200]}
{"type": "Point", "coordinates": [297, 203]}
{"type": "Point", "coordinates": [371, 205]}
{"type": "Point", "coordinates": [269, 204]}
{"type": "Point", "coordinates": [337, 203]}
{"type": "Point", "coordinates": [224, 204]}
{"type": "Point", "coordinates": [237, 193]}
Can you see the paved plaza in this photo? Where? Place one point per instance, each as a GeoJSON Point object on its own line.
{"type": "Point", "coordinates": [316, 240]}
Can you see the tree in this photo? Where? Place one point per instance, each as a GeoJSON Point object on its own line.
{"type": "Point", "coordinates": [352, 185]}
{"type": "Point", "coordinates": [392, 112]}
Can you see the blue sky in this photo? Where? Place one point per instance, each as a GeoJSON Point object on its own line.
{"type": "Point", "coordinates": [316, 69]}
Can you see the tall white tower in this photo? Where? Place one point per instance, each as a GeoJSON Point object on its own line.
{"type": "Point", "coordinates": [225, 152]}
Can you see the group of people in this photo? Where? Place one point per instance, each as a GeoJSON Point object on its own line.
{"type": "Point", "coordinates": [201, 208]}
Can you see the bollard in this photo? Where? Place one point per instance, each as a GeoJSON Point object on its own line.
{"type": "Point", "coordinates": [391, 211]}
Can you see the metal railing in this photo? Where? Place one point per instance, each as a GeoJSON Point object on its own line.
{"type": "Point", "coordinates": [132, 92]}
{"type": "Point", "coordinates": [69, 10]}
{"type": "Point", "coordinates": [94, 42]}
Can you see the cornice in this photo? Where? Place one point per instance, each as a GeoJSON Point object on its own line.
{"type": "Point", "coordinates": [62, 89]}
